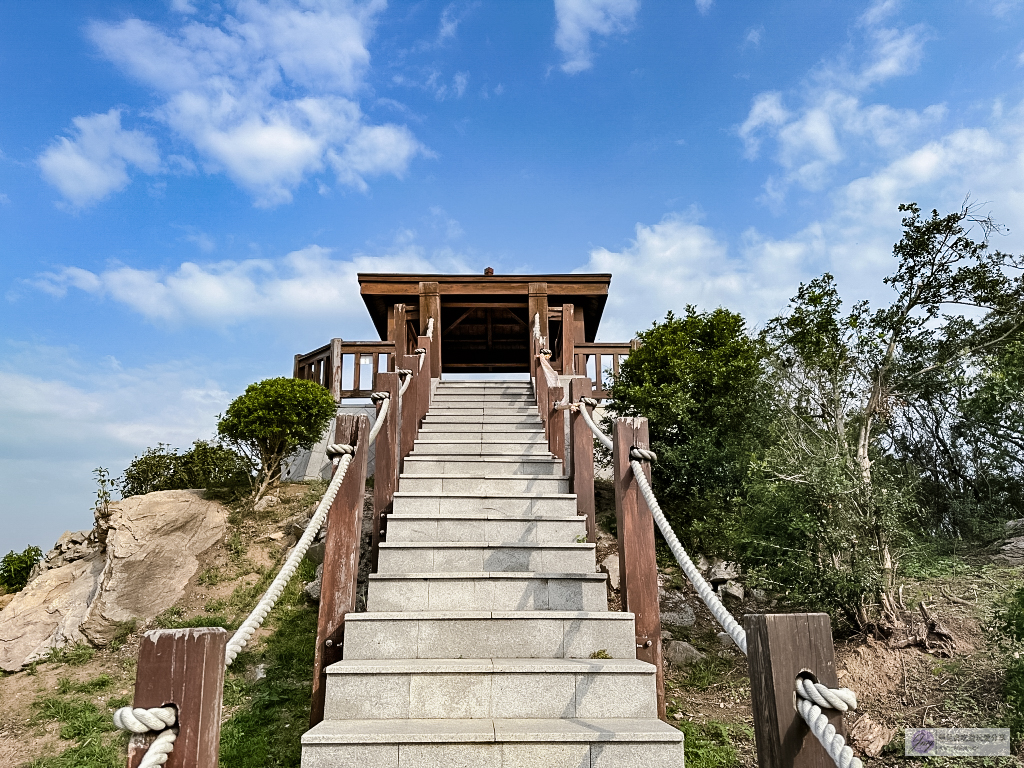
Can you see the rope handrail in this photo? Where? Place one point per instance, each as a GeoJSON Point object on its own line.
{"type": "Point", "coordinates": [430, 328]}
{"type": "Point", "coordinates": [811, 698]}
{"type": "Point", "coordinates": [138, 720]}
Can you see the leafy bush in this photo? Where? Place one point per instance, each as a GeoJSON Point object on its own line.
{"type": "Point", "coordinates": [1011, 621]}
{"type": "Point", "coordinates": [273, 418]}
{"type": "Point", "coordinates": [204, 465]}
{"type": "Point", "coordinates": [16, 566]}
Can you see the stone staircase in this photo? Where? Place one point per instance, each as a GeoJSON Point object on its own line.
{"type": "Point", "coordinates": [477, 649]}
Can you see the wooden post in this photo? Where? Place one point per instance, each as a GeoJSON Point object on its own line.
{"type": "Point", "coordinates": [581, 470]}
{"type": "Point", "coordinates": [542, 397]}
{"type": "Point", "coordinates": [410, 405]}
{"type": "Point", "coordinates": [398, 329]}
{"type": "Point", "coordinates": [779, 648]}
{"type": "Point", "coordinates": [537, 304]}
{"type": "Point", "coordinates": [422, 382]}
{"type": "Point", "coordinates": [568, 340]}
{"type": "Point", "coordinates": [335, 369]}
{"type": "Point", "coordinates": [341, 558]}
{"type": "Point", "coordinates": [556, 422]}
{"type": "Point", "coordinates": [638, 568]}
{"type": "Point", "coordinates": [385, 473]}
{"type": "Point", "coordinates": [183, 667]}
{"type": "Point", "coordinates": [430, 307]}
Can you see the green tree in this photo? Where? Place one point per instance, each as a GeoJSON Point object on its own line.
{"type": "Point", "coordinates": [204, 465]}
{"type": "Point", "coordinates": [700, 381]}
{"type": "Point", "coordinates": [832, 484]}
{"type": "Point", "coordinates": [272, 419]}
{"type": "Point", "coordinates": [16, 566]}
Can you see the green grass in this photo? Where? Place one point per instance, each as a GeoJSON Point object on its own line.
{"type": "Point", "coordinates": [66, 685]}
{"type": "Point", "coordinates": [75, 655]}
{"type": "Point", "coordinates": [274, 712]}
{"type": "Point", "coordinates": [711, 745]}
{"type": "Point", "coordinates": [705, 673]}
{"type": "Point", "coordinates": [89, 725]}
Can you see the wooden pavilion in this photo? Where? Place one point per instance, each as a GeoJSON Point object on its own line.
{"type": "Point", "coordinates": [475, 324]}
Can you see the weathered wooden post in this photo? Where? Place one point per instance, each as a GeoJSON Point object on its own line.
{"type": "Point", "coordinates": [422, 382]}
{"type": "Point", "coordinates": [781, 647]}
{"type": "Point", "coordinates": [410, 403]}
{"type": "Point", "coordinates": [638, 567]}
{"type": "Point", "coordinates": [430, 307]}
{"type": "Point", "coordinates": [556, 419]}
{"type": "Point", "coordinates": [184, 668]}
{"type": "Point", "coordinates": [581, 471]}
{"type": "Point", "coordinates": [385, 473]}
{"type": "Point", "coordinates": [335, 368]}
{"type": "Point", "coordinates": [341, 557]}
{"type": "Point", "coordinates": [568, 340]}
{"type": "Point", "coordinates": [398, 329]}
{"type": "Point", "coordinates": [542, 395]}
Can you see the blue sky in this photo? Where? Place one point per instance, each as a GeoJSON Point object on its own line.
{"type": "Point", "coordinates": [187, 189]}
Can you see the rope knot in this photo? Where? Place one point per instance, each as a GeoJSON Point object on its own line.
{"type": "Point", "coordinates": [642, 454]}
{"type": "Point", "coordinates": [546, 352]}
{"type": "Point", "coordinates": [419, 351]}
{"type": "Point", "coordinates": [337, 450]}
{"type": "Point", "coordinates": [376, 397]}
{"type": "Point", "coordinates": [404, 372]}
{"type": "Point", "coordinates": [589, 401]}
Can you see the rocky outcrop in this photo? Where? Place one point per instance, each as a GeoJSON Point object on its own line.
{"type": "Point", "coordinates": [133, 569]}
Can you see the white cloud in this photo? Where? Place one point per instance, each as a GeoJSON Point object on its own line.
{"type": "Point", "coordinates": [678, 262]}
{"type": "Point", "coordinates": [832, 124]}
{"type": "Point", "coordinates": [94, 161]}
{"type": "Point", "coordinates": [753, 37]}
{"type": "Point", "coordinates": [96, 414]}
{"type": "Point", "coordinates": [704, 6]}
{"type": "Point", "coordinates": [306, 284]}
{"type": "Point", "coordinates": [578, 20]}
{"type": "Point", "coordinates": [268, 94]}
{"type": "Point", "coordinates": [182, 6]}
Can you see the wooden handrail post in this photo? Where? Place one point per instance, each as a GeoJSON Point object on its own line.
{"type": "Point", "coordinates": [422, 382]}
{"type": "Point", "coordinates": [542, 397]}
{"type": "Point", "coordinates": [581, 470]}
{"type": "Point", "coordinates": [568, 340]}
{"type": "Point", "coordinates": [779, 648]}
{"type": "Point", "coordinates": [556, 432]}
{"type": "Point", "coordinates": [335, 369]}
{"type": "Point", "coordinates": [385, 472]}
{"type": "Point", "coordinates": [183, 667]}
{"type": "Point", "coordinates": [638, 567]}
{"type": "Point", "coordinates": [410, 405]}
{"type": "Point", "coordinates": [341, 557]}
{"type": "Point", "coordinates": [430, 307]}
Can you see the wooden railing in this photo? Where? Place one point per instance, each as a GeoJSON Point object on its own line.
{"type": "Point", "coordinates": [346, 368]}
{"type": "Point", "coordinates": [593, 360]}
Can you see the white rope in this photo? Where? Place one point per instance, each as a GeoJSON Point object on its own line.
{"type": "Point", "coordinates": [719, 611]}
{"type": "Point", "coordinates": [384, 398]}
{"type": "Point", "coordinates": [536, 327]}
{"type": "Point", "coordinates": [422, 353]}
{"type": "Point", "coordinates": [259, 613]}
{"type": "Point", "coordinates": [405, 384]}
{"type": "Point", "coordinates": [808, 693]}
{"type": "Point", "coordinates": [140, 720]}
{"type": "Point", "coordinates": [605, 440]}
{"type": "Point", "coordinates": [430, 328]}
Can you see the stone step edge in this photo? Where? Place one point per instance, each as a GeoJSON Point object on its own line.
{"type": "Point", "coordinates": [506, 458]}
{"type": "Point", "coordinates": [498, 666]}
{"type": "Point", "coordinates": [484, 517]}
{"type": "Point", "coordinates": [470, 495]}
{"type": "Point", "coordinates": [487, 615]}
{"type": "Point", "coordinates": [582, 547]}
{"type": "Point", "coordinates": [479, 575]}
{"type": "Point", "coordinates": [490, 730]}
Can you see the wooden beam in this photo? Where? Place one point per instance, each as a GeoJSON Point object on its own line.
{"type": "Point", "coordinates": [581, 468]}
{"type": "Point", "coordinates": [556, 420]}
{"type": "Point", "coordinates": [341, 558]}
{"type": "Point", "coordinates": [462, 317]}
{"type": "Point", "coordinates": [638, 567]}
{"type": "Point", "coordinates": [397, 328]}
{"type": "Point", "coordinates": [183, 667]}
{"type": "Point", "coordinates": [410, 407]}
{"type": "Point", "coordinates": [780, 647]}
